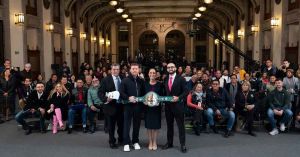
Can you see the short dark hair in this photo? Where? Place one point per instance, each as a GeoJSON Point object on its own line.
{"type": "Point", "coordinates": [233, 75]}
{"type": "Point", "coordinates": [216, 80]}
{"type": "Point", "coordinates": [278, 79]}
{"type": "Point", "coordinates": [40, 83]}
{"type": "Point", "coordinates": [134, 64]}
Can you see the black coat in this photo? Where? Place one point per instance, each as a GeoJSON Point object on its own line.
{"type": "Point", "coordinates": [107, 85]}
{"type": "Point", "coordinates": [59, 102]}
{"type": "Point", "coordinates": [129, 88]}
{"type": "Point", "coordinates": [9, 87]}
{"type": "Point", "coordinates": [241, 101]}
{"type": "Point", "coordinates": [33, 102]}
{"type": "Point", "coordinates": [178, 89]}
{"type": "Point", "coordinates": [219, 100]}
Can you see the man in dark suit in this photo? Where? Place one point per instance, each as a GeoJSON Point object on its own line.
{"type": "Point", "coordinates": [113, 109]}
{"type": "Point", "coordinates": [35, 105]}
{"type": "Point", "coordinates": [233, 87]}
{"type": "Point", "coordinates": [175, 86]}
{"type": "Point", "coordinates": [132, 87]}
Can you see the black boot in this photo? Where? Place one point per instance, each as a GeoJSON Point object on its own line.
{"type": "Point", "coordinates": [70, 130]}
{"type": "Point", "coordinates": [197, 128]}
{"type": "Point", "coordinates": [28, 130]}
{"type": "Point", "coordinates": [250, 132]}
{"type": "Point", "coordinates": [214, 129]}
{"type": "Point", "coordinates": [92, 129]}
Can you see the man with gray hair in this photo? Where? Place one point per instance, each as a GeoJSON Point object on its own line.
{"type": "Point", "coordinates": [113, 109]}
{"type": "Point", "coordinates": [27, 73]}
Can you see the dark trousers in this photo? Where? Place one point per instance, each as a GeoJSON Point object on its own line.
{"type": "Point", "coordinates": [132, 113]}
{"type": "Point", "coordinates": [179, 117]}
{"type": "Point", "coordinates": [92, 114]}
{"type": "Point", "coordinates": [112, 121]}
{"type": "Point", "coordinates": [20, 118]}
{"type": "Point", "coordinates": [249, 117]}
{"type": "Point", "coordinates": [197, 118]}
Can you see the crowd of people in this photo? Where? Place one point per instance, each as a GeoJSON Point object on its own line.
{"type": "Point", "coordinates": [208, 95]}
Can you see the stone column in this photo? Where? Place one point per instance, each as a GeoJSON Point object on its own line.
{"type": "Point", "coordinates": [47, 53]}
{"type": "Point", "coordinates": [242, 43]}
{"type": "Point", "coordinates": [17, 34]}
{"type": "Point", "coordinates": [81, 43]}
{"type": "Point", "coordinates": [113, 41]}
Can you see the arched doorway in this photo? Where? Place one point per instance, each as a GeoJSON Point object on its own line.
{"type": "Point", "coordinates": [148, 42]}
{"type": "Point", "coordinates": [175, 44]}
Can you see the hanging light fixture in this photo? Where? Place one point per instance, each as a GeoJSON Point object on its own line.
{"type": "Point", "coordinates": [83, 35]}
{"type": "Point", "coordinates": [94, 39]}
{"type": "Point", "coordinates": [208, 1]}
{"type": "Point", "coordinates": [202, 8]}
{"type": "Point", "coordinates": [194, 18]}
{"type": "Point", "coordinates": [254, 28]}
{"type": "Point", "coordinates": [128, 20]}
{"type": "Point", "coordinates": [125, 16]}
{"type": "Point", "coordinates": [198, 14]}
{"type": "Point", "coordinates": [113, 3]}
{"type": "Point", "coordinates": [120, 10]}
{"type": "Point", "coordinates": [217, 41]}
{"type": "Point", "coordinates": [101, 41]}
{"type": "Point", "coordinates": [107, 42]}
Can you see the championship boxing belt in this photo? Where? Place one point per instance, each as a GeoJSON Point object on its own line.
{"type": "Point", "coordinates": [151, 99]}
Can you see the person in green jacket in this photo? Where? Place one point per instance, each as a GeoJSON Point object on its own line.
{"type": "Point", "coordinates": [280, 106]}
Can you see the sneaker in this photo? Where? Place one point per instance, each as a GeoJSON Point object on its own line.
{"type": "Point", "coordinates": [136, 146]}
{"type": "Point", "coordinates": [282, 127]}
{"type": "Point", "coordinates": [126, 148]}
{"type": "Point", "coordinates": [49, 128]}
{"type": "Point", "coordinates": [274, 132]}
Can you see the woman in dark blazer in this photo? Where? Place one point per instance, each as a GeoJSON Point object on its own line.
{"type": "Point", "coordinates": [245, 105]}
{"type": "Point", "coordinates": [7, 92]}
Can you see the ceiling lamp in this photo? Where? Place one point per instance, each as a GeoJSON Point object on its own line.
{"type": "Point", "coordinates": [128, 20]}
{"type": "Point", "coordinates": [208, 1]}
{"type": "Point", "coordinates": [113, 3]}
{"type": "Point", "coordinates": [125, 16]}
{"type": "Point", "coordinates": [120, 10]}
{"type": "Point", "coordinates": [194, 18]}
{"type": "Point", "coordinates": [202, 8]}
{"type": "Point", "coordinates": [198, 14]}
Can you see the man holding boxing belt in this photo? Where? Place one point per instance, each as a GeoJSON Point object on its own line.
{"type": "Point", "coordinates": [175, 86]}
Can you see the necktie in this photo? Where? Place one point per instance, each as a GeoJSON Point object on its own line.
{"type": "Point", "coordinates": [170, 83]}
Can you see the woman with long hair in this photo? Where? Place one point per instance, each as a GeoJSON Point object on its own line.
{"type": "Point", "coordinates": [7, 93]}
{"type": "Point", "coordinates": [58, 100]}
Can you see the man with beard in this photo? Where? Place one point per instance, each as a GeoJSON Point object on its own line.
{"type": "Point", "coordinates": [175, 86]}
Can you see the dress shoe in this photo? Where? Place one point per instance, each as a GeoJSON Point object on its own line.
{"type": "Point", "coordinates": [28, 131]}
{"type": "Point", "coordinates": [183, 149]}
{"type": "Point", "coordinates": [214, 129]}
{"type": "Point", "coordinates": [113, 146]}
{"type": "Point", "coordinates": [84, 130]}
{"type": "Point", "coordinates": [70, 130]}
{"type": "Point", "coordinates": [227, 133]}
{"type": "Point", "coordinates": [92, 129]}
{"type": "Point", "coordinates": [167, 146]}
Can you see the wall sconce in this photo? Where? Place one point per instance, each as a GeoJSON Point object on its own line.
{"type": "Point", "coordinates": [50, 27]}
{"type": "Point", "coordinates": [125, 16]}
{"type": "Point", "coordinates": [101, 41]}
{"type": "Point", "coordinates": [198, 14]}
{"type": "Point", "coordinates": [274, 22]}
{"type": "Point", "coordinates": [70, 32]}
{"type": "Point", "coordinates": [113, 3]}
{"type": "Point", "coordinates": [128, 20]}
{"type": "Point", "coordinates": [94, 39]}
{"type": "Point", "coordinates": [254, 28]}
{"type": "Point", "coordinates": [19, 19]}
{"type": "Point", "coordinates": [119, 10]}
{"type": "Point", "coordinates": [217, 41]}
{"type": "Point", "coordinates": [241, 33]}
{"type": "Point", "coordinates": [208, 1]}
{"type": "Point", "coordinates": [230, 37]}
{"type": "Point", "coordinates": [202, 8]}
{"type": "Point", "coordinates": [83, 35]}
{"type": "Point", "coordinates": [107, 42]}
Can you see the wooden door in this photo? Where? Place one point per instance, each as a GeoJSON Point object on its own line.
{"type": "Point", "coordinates": [33, 57]}
{"type": "Point", "coordinates": [291, 54]}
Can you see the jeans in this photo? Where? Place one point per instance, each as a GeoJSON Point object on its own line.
{"type": "Point", "coordinates": [225, 114]}
{"type": "Point", "coordinates": [286, 117]}
{"type": "Point", "coordinates": [72, 111]}
{"type": "Point", "coordinates": [20, 118]}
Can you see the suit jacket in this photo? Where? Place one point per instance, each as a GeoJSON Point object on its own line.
{"type": "Point", "coordinates": [108, 85]}
{"type": "Point", "coordinates": [178, 89]}
{"type": "Point", "coordinates": [33, 101]}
